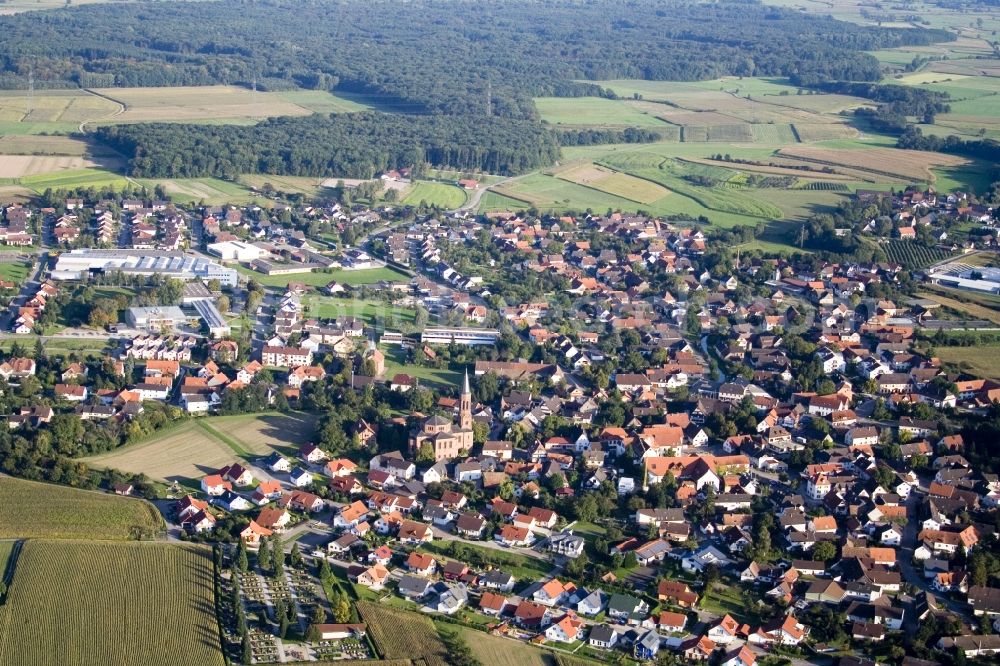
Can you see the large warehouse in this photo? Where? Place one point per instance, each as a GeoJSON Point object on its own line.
{"type": "Point", "coordinates": [77, 264]}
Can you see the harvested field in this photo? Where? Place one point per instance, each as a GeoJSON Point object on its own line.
{"type": "Point", "coordinates": [972, 310]}
{"type": "Point", "coordinates": [199, 103]}
{"type": "Point", "coordinates": [614, 182]}
{"type": "Point", "coordinates": [75, 604]}
{"type": "Point", "coordinates": [824, 131]}
{"type": "Point", "coordinates": [18, 166]}
{"type": "Point", "coordinates": [905, 164]}
{"type": "Point", "coordinates": [261, 434]}
{"type": "Point", "coordinates": [53, 106]}
{"type": "Point", "coordinates": [48, 145]}
{"type": "Point", "coordinates": [29, 509]}
{"type": "Point", "coordinates": [496, 651]}
{"type": "Point", "coordinates": [183, 454]}
{"type": "Point", "coordinates": [700, 118]}
{"type": "Point", "coordinates": [773, 133]}
{"type": "Point", "coordinates": [196, 190]}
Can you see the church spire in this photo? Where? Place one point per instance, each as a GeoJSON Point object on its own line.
{"type": "Point", "coordinates": [465, 405]}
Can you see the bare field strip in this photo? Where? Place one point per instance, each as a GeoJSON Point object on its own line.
{"type": "Point", "coordinates": [614, 182]}
{"type": "Point", "coordinates": [906, 164]}
{"type": "Point", "coordinates": [702, 118]}
{"type": "Point", "coordinates": [18, 166]}
{"type": "Point", "coordinates": [47, 145]}
{"type": "Point", "coordinates": [185, 103]}
{"type": "Point", "coordinates": [774, 170]}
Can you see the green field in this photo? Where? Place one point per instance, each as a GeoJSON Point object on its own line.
{"type": "Point", "coordinates": [76, 178]}
{"type": "Point", "coordinates": [371, 312]}
{"type": "Point", "coordinates": [493, 201]}
{"type": "Point", "coordinates": [29, 509]}
{"type": "Point", "coordinates": [322, 278]}
{"type": "Point", "coordinates": [441, 195]}
{"type": "Point", "coordinates": [212, 191]}
{"type": "Point", "coordinates": [141, 604]}
{"type": "Point", "coordinates": [14, 272]}
{"type": "Point", "coordinates": [395, 362]}
{"type": "Point", "coordinates": [979, 361]}
{"type": "Point", "coordinates": [593, 111]}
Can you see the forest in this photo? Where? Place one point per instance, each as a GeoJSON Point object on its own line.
{"type": "Point", "coordinates": [439, 56]}
{"type": "Point", "coordinates": [478, 63]}
{"type": "Point", "coordinates": [357, 145]}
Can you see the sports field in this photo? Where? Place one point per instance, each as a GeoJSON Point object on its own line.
{"type": "Point", "coordinates": [82, 603]}
{"type": "Point", "coordinates": [29, 509]}
{"type": "Point", "coordinates": [198, 447]}
{"type": "Point", "coordinates": [441, 195]}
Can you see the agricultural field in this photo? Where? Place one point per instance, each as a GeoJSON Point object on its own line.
{"type": "Point", "coordinates": [613, 182]}
{"type": "Point", "coordinates": [442, 195]}
{"type": "Point", "coordinates": [978, 360]}
{"type": "Point", "coordinates": [912, 165]}
{"type": "Point", "coordinates": [369, 311]}
{"type": "Point", "coordinates": [492, 201]}
{"type": "Point", "coordinates": [306, 185]}
{"type": "Point", "coordinates": [322, 278]}
{"type": "Point", "coordinates": [967, 304]}
{"type": "Point", "coordinates": [50, 111]}
{"type": "Point", "coordinates": [29, 509]}
{"type": "Point", "coordinates": [73, 179]}
{"type": "Point", "coordinates": [913, 256]}
{"type": "Point", "coordinates": [197, 447]}
{"type": "Point", "coordinates": [18, 166]}
{"type": "Point", "coordinates": [594, 112]}
{"type": "Point", "coordinates": [217, 104]}
{"type": "Point", "coordinates": [74, 604]}
{"type": "Point", "coordinates": [212, 191]}
{"type": "Point", "coordinates": [400, 634]}
{"type": "Point", "coordinates": [496, 651]}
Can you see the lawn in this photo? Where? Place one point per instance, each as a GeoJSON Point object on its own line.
{"type": "Point", "coordinates": [74, 604]}
{"type": "Point", "coordinates": [29, 509]}
{"type": "Point", "coordinates": [593, 111]}
{"type": "Point", "coordinates": [441, 195]}
{"type": "Point", "coordinates": [14, 272]}
{"type": "Point", "coordinates": [323, 278]}
{"type": "Point", "coordinates": [197, 447]}
{"type": "Point", "coordinates": [980, 361]}
{"type": "Point", "coordinates": [395, 362]}
{"type": "Point", "coordinates": [722, 599]}
{"type": "Point", "coordinates": [519, 565]}
{"type": "Point", "coordinates": [373, 313]}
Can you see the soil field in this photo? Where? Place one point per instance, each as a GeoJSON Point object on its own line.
{"type": "Point", "coordinates": [29, 509]}
{"type": "Point", "coordinates": [906, 164]}
{"type": "Point", "coordinates": [75, 604]}
{"type": "Point", "coordinates": [613, 182]}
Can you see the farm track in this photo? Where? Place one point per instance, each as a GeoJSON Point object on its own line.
{"type": "Point", "coordinates": [122, 107]}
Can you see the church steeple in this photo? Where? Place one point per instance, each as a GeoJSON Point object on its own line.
{"type": "Point", "coordinates": [465, 405]}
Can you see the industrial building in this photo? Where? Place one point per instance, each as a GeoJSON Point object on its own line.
{"type": "Point", "coordinates": [156, 318]}
{"type": "Point", "coordinates": [236, 251]}
{"type": "Point", "coordinates": [78, 264]}
{"type": "Point", "coordinates": [217, 326]}
{"type": "Point", "coordinates": [460, 336]}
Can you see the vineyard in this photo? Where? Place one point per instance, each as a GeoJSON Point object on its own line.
{"type": "Point", "coordinates": [400, 634]}
{"type": "Point", "coordinates": [823, 185]}
{"type": "Point", "coordinates": [911, 255]}
{"type": "Point", "coordinates": [141, 604]}
{"type": "Point", "coordinates": [32, 509]}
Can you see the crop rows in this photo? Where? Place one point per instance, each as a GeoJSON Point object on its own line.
{"type": "Point", "coordinates": [912, 255]}
{"type": "Point", "coordinates": [825, 186]}
{"type": "Point", "coordinates": [129, 604]}
{"type": "Point", "coordinates": [402, 635]}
